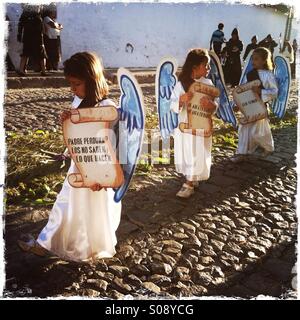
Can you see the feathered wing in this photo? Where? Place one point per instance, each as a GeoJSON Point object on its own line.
{"type": "Point", "coordinates": [248, 66]}
{"type": "Point", "coordinates": [131, 127]}
{"type": "Point", "coordinates": [225, 111]}
{"type": "Point", "coordinates": [165, 81]}
{"type": "Point", "coordinates": [283, 78]}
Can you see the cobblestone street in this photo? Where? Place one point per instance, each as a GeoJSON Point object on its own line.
{"type": "Point", "coordinates": [235, 237]}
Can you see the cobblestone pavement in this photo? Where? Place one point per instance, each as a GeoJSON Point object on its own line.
{"type": "Point", "coordinates": [235, 237]}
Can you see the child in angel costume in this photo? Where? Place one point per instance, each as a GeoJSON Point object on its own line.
{"type": "Point", "coordinates": [192, 149]}
{"type": "Point", "coordinates": [273, 90]}
{"type": "Point", "coordinates": [83, 221]}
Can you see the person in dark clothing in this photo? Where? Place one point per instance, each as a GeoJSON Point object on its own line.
{"type": "Point", "coordinates": [233, 67]}
{"type": "Point", "coordinates": [251, 46]}
{"type": "Point", "coordinates": [223, 59]}
{"type": "Point", "coordinates": [9, 65]}
{"type": "Point", "coordinates": [217, 39]}
{"type": "Point", "coordinates": [30, 32]}
{"type": "Point", "coordinates": [268, 43]}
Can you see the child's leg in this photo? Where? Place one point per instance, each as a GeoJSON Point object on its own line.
{"type": "Point", "coordinates": [244, 133]}
{"type": "Point", "coordinates": [190, 183]}
{"type": "Point", "coordinates": [243, 143]}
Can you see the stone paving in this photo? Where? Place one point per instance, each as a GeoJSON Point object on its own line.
{"type": "Point", "coordinates": [235, 237]}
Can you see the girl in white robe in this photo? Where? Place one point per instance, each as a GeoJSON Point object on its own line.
{"type": "Point", "coordinates": [258, 133]}
{"type": "Point", "coordinates": [192, 152]}
{"type": "Point", "coordinates": [83, 222]}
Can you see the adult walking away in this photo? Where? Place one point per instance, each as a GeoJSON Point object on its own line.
{"type": "Point", "coordinates": [234, 48]}
{"type": "Point", "coordinates": [217, 39]}
{"type": "Point", "coordinates": [293, 65]}
{"type": "Point", "coordinates": [269, 43]}
{"type": "Point", "coordinates": [52, 40]}
{"type": "Point", "coordinates": [251, 46]}
{"type": "Point", "coordinates": [30, 32]}
{"type": "Point", "coordinates": [288, 51]}
{"type": "Point", "coordinates": [8, 62]}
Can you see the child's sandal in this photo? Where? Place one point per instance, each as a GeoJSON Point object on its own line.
{"type": "Point", "coordinates": [29, 244]}
{"type": "Point", "coordinates": [186, 191]}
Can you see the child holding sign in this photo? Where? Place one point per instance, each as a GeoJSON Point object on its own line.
{"type": "Point", "coordinates": [258, 134]}
{"type": "Point", "coordinates": [192, 152]}
{"type": "Point", "coordinates": [83, 221]}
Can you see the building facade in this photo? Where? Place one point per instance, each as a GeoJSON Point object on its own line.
{"type": "Point", "coordinates": [140, 34]}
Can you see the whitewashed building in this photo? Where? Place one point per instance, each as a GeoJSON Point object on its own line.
{"type": "Point", "coordinates": [140, 34]}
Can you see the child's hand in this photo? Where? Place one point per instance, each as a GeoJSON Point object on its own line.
{"type": "Point", "coordinates": [257, 90]}
{"type": "Point", "coordinates": [185, 98]}
{"type": "Point", "coordinates": [96, 187]}
{"type": "Point", "coordinates": [65, 115]}
{"type": "Point", "coordinates": [236, 108]}
{"type": "Point", "coordinates": [208, 103]}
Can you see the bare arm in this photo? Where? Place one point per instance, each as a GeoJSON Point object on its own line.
{"type": "Point", "coordinates": [54, 25]}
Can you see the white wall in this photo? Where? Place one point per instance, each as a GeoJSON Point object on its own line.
{"type": "Point", "coordinates": [155, 30]}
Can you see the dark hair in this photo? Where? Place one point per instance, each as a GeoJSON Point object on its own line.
{"type": "Point", "coordinates": [87, 67]}
{"type": "Point", "coordinates": [194, 58]}
{"type": "Point", "coordinates": [254, 38]}
{"type": "Point", "coordinates": [235, 31]}
{"type": "Point", "coordinates": [266, 55]}
{"type": "Point", "coordinates": [220, 26]}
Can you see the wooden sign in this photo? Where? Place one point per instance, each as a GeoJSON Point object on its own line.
{"type": "Point", "coordinates": [88, 138]}
{"type": "Point", "coordinates": [199, 117]}
{"type": "Point", "coordinates": [249, 102]}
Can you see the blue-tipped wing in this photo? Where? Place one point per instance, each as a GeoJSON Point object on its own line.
{"type": "Point", "coordinates": [225, 111]}
{"type": "Point", "coordinates": [165, 82]}
{"type": "Point", "coordinates": [283, 77]}
{"type": "Point", "coordinates": [248, 66]}
{"type": "Point", "coordinates": [131, 127]}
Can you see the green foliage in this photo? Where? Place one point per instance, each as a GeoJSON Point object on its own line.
{"type": "Point", "coordinates": [32, 175]}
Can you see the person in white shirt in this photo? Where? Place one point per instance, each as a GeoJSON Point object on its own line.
{"type": "Point", "coordinates": [52, 31]}
{"type": "Point", "coordinates": [288, 52]}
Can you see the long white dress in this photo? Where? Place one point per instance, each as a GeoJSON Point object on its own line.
{"type": "Point", "coordinates": [82, 223]}
{"type": "Point", "coordinates": [192, 153]}
{"type": "Point", "coordinates": [253, 135]}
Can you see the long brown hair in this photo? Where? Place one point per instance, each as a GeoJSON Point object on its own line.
{"type": "Point", "coordinates": [194, 58]}
{"type": "Point", "coordinates": [87, 67]}
{"type": "Point", "coordinates": [266, 55]}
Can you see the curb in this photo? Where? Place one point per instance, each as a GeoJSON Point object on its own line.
{"type": "Point", "coordinates": [58, 81]}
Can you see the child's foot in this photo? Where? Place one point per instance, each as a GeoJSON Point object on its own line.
{"type": "Point", "coordinates": [28, 244]}
{"type": "Point", "coordinates": [186, 191]}
{"type": "Point", "coordinates": [196, 184]}
{"type": "Point", "coordinates": [237, 158]}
